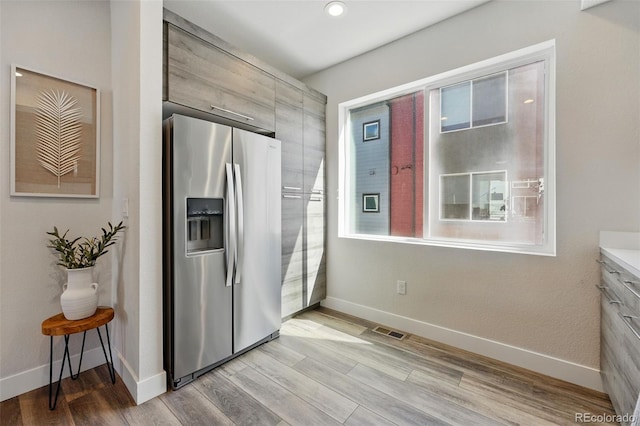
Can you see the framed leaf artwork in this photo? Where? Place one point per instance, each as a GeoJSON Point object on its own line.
{"type": "Point", "coordinates": [55, 144]}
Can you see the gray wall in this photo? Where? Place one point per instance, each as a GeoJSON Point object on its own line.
{"type": "Point", "coordinates": [545, 305]}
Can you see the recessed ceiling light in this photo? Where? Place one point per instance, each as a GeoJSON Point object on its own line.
{"type": "Point", "coordinates": [18, 74]}
{"type": "Point", "coordinates": [444, 118]}
{"type": "Point", "coordinates": [529, 101]}
{"type": "Point", "coordinates": [335, 8]}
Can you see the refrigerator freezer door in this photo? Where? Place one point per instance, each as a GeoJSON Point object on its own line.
{"type": "Point", "coordinates": [202, 314]}
{"type": "Point", "coordinates": [257, 295]}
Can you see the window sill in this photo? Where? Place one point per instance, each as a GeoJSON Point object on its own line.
{"type": "Point", "coordinates": [459, 244]}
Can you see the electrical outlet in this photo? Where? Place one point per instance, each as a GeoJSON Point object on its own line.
{"type": "Point", "coordinates": [401, 287]}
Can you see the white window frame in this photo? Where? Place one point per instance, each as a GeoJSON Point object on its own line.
{"type": "Point", "coordinates": [542, 51]}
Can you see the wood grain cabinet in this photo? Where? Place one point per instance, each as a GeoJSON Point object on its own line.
{"type": "Point", "coordinates": [300, 125]}
{"type": "Point", "coordinates": [620, 336]}
{"type": "Point", "coordinates": [201, 76]}
{"type": "Point", "coordinates": [315, 288]}
{"type": "Point", "coordinates": [314, 145]}
{"type": "Point", "coordinates": [314, 186]}
{"type": "Point", "coordinates": [290, 131]}
{"type": "Point", "coordinates": [206, 74]}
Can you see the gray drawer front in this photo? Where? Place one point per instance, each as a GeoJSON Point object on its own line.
{"type": "Point", "coordinates": [620, 335]}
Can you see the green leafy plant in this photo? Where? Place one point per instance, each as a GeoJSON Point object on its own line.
{"type": "Point", "coordinates": [82, 252]}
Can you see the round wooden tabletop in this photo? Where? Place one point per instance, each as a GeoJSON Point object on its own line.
{"type": "Point", "coordinates": [58, 325]}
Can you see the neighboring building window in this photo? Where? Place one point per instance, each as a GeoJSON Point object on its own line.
{"type": "Point", "coordinates": [473, 196]}
{"type": "Point", "coordinates": [371, 203]}
{"type": "Point", "coordinates": [461, 159]}
{"type": "Point", "coordinates": [371, 131]}
{"type": "Point", "coordinates": [474, 103]}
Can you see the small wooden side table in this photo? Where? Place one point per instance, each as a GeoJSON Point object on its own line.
{"type": "Point", "coordinates": [58, 325]}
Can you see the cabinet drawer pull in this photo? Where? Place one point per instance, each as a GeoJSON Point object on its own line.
{"type": "Point", "coordinates": [316, 191]}
{"type": "Point", "coordinates": [606, 267]}
{"type": "Point", "coordinates": [603, 290]}
{"type": "Point", "coordinates": [630, 286]}
{"type": "Point", "coordinates": [246, 117]}
{"type": "Point", "coordinates": [315, 199]}
{"type": "Point", "coordinates": [292, 188]}
{"type": "Point", "coordinates": [291, 196]}
{"type": "Point", "coordinates": [627, 320]}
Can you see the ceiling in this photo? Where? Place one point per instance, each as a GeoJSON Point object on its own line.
{"type": "Point", "coordinates": [299, 38]}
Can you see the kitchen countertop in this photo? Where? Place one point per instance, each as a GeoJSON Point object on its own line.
{"type": "Point", "coordinates": [629, 259]}
{"type": "Point", "coordinates": [622, 247]}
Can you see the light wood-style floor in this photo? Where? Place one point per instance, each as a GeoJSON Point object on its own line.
{"type": "Point", "coordinates": [326, 369]}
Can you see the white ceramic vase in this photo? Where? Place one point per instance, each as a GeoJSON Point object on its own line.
{"type": "Point", "coordinates": [80, 298]}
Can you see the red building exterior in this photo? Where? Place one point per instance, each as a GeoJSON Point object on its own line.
{"type": "Point", "coordinates": [407, 165]}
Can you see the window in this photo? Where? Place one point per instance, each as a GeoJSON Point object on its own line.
{"type": "Point", "coordinates": [462, 159]}
{"type": "Point", "coordinates": [473, 196]}
{"type": "Point", "coordinates": [371, 203]}
{"type": "Point", "coordinates": [371, 131]}
{"type": "Point", "coordinates": [474, 103]}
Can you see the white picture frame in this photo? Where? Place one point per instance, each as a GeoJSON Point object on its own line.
{"type": "Point", "coordinates": [46, 162]}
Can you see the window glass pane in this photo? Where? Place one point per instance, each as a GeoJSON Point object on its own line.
{"type": "Point", "coordinates": [387, 167]}
{"type": "Point", "coordinates": [456, 107]}
{"type": "Point", "coordinates": [455, 197]}
{"type": "Point", "coordinates": [489, 196]}
{"type": "Point", "coordinates": [505, 162]}
{"type": "Point", "coordinates": [489, 100]}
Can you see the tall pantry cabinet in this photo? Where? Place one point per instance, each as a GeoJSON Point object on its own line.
{"type": "Point", "coordinates": [207, 77]}
{"type": "Point", "coordinates": [300, 125]}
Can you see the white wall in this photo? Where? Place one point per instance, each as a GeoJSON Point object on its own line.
{"type": "Point", "coordinates": [539, 312]}
{"type": "Point", "coordinates": [70, 40]}
{"type": "Point", "coordinates": [137, 85]}
{"type": "Point", "coordinates": [116, 46]}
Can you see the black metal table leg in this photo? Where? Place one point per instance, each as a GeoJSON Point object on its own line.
{"type": "Point", "coordinates": [73, 377]}
{"type": "Point", "coordinates": [109, 361]}
{"type": "Point", "coordinates": [66, 357]}
{"type": "Point", "coordinates": [59, 325]}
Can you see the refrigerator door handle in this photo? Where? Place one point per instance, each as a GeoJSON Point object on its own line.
{"type": "Point", "coordinates": [231, 250]}
{"type": "Point", "coordinates": [240, 224]}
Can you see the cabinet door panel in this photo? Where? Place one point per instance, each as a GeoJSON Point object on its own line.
{"type": "Point", "coordinates": [314, 145]}
{"type": "Point", "coordinates": [316, 280]}
{"type": "Point", "coordinates": [200, 75]}
{"type": "Point", "coordinates": [292, 254]}
{"type": "Point", "coordinates": [290, 131]}
{"type": "Point", "coordinates": [611, 346]}
{"type": "Point", "coordinates": [631, 377]}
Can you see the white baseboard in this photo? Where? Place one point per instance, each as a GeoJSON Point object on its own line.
{"type": "Point", "coordinates": [144, 390]}
{"type": "Point", "coordinates": [555, 367]}
{"type": "Point", "coordinates": [39, 376]}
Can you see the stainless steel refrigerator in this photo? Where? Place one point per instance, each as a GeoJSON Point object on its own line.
{"type": "Point", "coordinates": [222, 266]}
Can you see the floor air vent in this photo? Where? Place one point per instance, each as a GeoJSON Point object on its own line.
{"type": "Point", "coordinates": [390, 333]}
